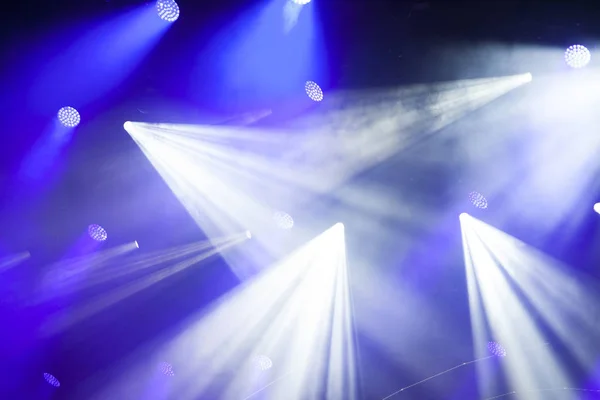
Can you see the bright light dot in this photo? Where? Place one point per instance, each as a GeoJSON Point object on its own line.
{"type": "Point", "coordinates": [168, 10]}
{"type": "Point", "coordinates": [597, 207]}
{"type": "Point", "coordinates": [51, 379]}
{"type": "Point", "coordinates": [463, 216]}
{"type": "Point", "coordinates": [128, 126]}
{"type": "Point", "coordinates": [136, 244]}
{"type": "Point", "coordinates": [478, 200]}
{"type": "Point", "coordinates": [249, 234]}
{"type": "Point", "coordinates": [97, 233]}
{"type": "Point", "coordinates": [496, 349]}
{"type": "Point", "coordinates": [301, 2]}
{"type": "Point", "coordinates": [263, 362]}
{"type": "Point", "coordinates": [313, 91]}
{"type": "Point", "coordinates": [69, 117]}
{"type": "Point", "coordinates": [166, 369]}
{"type": "Point", "coordinates": [577, 56]}
{"type": "Point", "coordinates": [283, 220]}
{"type": "Point", "coordinates": [528, 77]}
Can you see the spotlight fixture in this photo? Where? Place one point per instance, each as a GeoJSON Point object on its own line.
{"type": "Point", "coordinates": [577, 56]}
{"type": "Point", "coordinates": [301, 2]}
{"type": "Point", "coordinates": [496, 349]}
{"type": "Point", "coordinates": [69, 117]}
{"type": "Point", "coordinates": [314, 91]}
{"type": "Point", "coordinates": [168, 10]}
{"type": "Point", "coordinates": [97, 233]}
{"type": "Point", "coordinates": [263, 362]}
{"type": "Point", "coordinates": [597, 207]}
{"type": "Point", "coordinates": [166, 369]}
{"type": "Point", "coordinates": [478, 200]}
{"type": "Point", "coordinates": [51, 379]}
{"type": "Point", "coordinates": [283, 220]}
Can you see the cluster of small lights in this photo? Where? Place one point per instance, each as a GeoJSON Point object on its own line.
{"type": "Point", "coordinates": [97, 233]}
{"type": "Point", "coordinates": [478, 200]}
{"type": "Point", "coordinates": [496, 349]}
{"type": "Point", "coordinates": [313, 91]}
{"type": "Point", "coordinates": [166, 369]}
{"type": "Point", "coordinates": [301, 2]}
{"type": "Point", "coordinates": [69, 117]}
{"type": "Point", "coordinates": [283, 220]}
{"type": "Point", "coordinates": [51, 379]}
{"type": "Point", "coordinates": [577, 56]}
{"type": "Point", "coordinates": [168, 10]}
{"type": "Point", "coordinates": [263, 362]}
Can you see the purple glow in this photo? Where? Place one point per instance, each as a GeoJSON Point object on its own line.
{"type": "Point", "coordinates": [51, 379]}
{"type": "Point", "coordinates": [283, 220]}
{"type": "Point", "coordinates": [496, 349]}
{"type": "Point", "coordinates": [263, 362]}
{"type": "Point", "coordinates": [478, 200]}
{"type": "Point", "coordinates": [577, 56]}
{"type": "Point", "coordinates": [166, 369]}
{"type": "Point", "coordinates": [168, 10]}
{"type": "Point", "coordinates": [69, 117]}
{"type": "Point", "coordinates": [97, 233]}
{"type": "Point", "coordinates": [314, 91]}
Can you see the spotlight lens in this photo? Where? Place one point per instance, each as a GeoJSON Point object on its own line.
{"type": "Point", "coordinates": [478, 200]}
{"type": "Point", "coordinates": [51, 379]}
{"type": "Point", "coordinates": [313, 91]}
{"type": "Point", "coordinates": [263, 362]}
{"type": "Point", "coordinates": [496, 349]}
{"type": "Point", "coordinates": [577, 56]}
{"type": "Point", "coordinates": [168, 10]}
{"type": "Point", "coordinates": [166, 369]}
{"type": "Point", "coordinates": [69, 117]}
{"type": "Point", "coordinates": [128, 125]}
{"type": "Point", "coordinates": [97, 233]}
{"type": "Point", "coordinates": [283, 220]}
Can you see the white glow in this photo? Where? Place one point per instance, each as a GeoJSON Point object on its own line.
{"type": "Point", "coordinates": [597, 207]}
{"type": "Point", "coordinates": [128, 126]}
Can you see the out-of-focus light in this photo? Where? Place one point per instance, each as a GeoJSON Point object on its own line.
{"type": "Point", "coordinates": [249, 234]}
{"type": "Point", "coordinates": [463, 216]}
{"type": "Point", "coordinates": [283, 220]}
{"type": "Point", "coordinates": [128, 126]}
{"type": "Point", "coordinates": [478, 200]}
{"type": "Point", "coordinates": [166, 369]}
{"type": "Point", "coordinates": [528, 77]}
{"type": "Point", "coordinates": [51, 379]}
{"type": "Point", "coordinates": [69, 117]}
{"type": "Point", "coordinates": [301, 2]}
{"type": "Point", "coordinates": [263, 362]}
{"type": "Point", "coordinates": [136, 244]}
{"type": "Point", "coordinates": [577, 56]}
{"type": "Point", "coordinates": [168, 10]}
{"type": "Point", "coordinates": [597, 207]}
{"type": "Point", "coordinates": [97, 233]}
{"type": "Point", "coordinates": [496, 349]}
{"type": "Point", "coordinates": [314, 91]}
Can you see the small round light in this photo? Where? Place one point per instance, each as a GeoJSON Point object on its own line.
{"type": "Point", "coordinates": [283, 220]}
{"type": "Point", "coordinates": [478, 200]}
{"type": "Point", "coordinates": [597, 207]}
{"type": "Point", "coordinates": [496, 349]}
{"type": "Point", "coordinates": [97, 233]}
{"type": "Point", "coordinates": [51, 379]}
{"type": "Point", "coordinates": [168, 10]}
{"type": "Point", "coordinates": [301, 2]}
{"type": "Point", "coordinates": [314, 91]}
{"type": "Point", "coordinates": [166, 369]}
{"type": "Point", "coordinates": [69, 117]}
{"type": "Point", "coordinates": [577, 56]}
{"type": "Point", "coordinates": [263, 362]}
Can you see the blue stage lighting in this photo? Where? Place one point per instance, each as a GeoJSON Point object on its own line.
{"type": "Point", "coordinates": [168, 10]}
{"type": "Point", "coordinates": [313, 91]}
{"type": "Point", "coordinates": [51, 379]}
{"type": "Point", "coordinates": [577, 56]}
{"type": "Point", "coordinates": [167, 369]}
{"type": "Point", "coordinates": [478, 200]}
{"type": "Point", "coordinates": [283, 220]}
{"type": "Point", "coordinates": [69, 117]}
{"type": "Point", "coordinates": [496, 349]}
{"type": "Point", "coordinates": [301, 2]}
{"type": "Point", "coordinates": [97, 233]}
{"type": "Point", "coordinates": [263, 362]}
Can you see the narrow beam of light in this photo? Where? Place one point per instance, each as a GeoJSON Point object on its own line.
{"type": "Point", "coordinates": [13, 260]}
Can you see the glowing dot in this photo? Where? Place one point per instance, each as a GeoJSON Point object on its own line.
{"type": "Point", "coordinates": [136, 244]}
{"type": "Point", "coordinates": [166, 369]}
{"type": "Point", "coordinates": [577, 56]}
{"type": "Point", "coordinates": [313, 91]}
{"type": "Point", "coordinates": [301, 2]}
{"type": "Point", "coordinates": [168, 10]}
{"type": "Point", "coordinates": [51, 379]}
{"type": "Point", "coordinates": [69, 117]}
{"type": "Point", "coordinates": [128, 126]}
{"type": "Point", "coordinates": [463, 216]}
{"type": "Point", "coordinates": [97, 233]}
{"type": "Point", "coordinates": [263, 362]}
{"type": "Point", "coordinates": [283, 220]}
{"type": "Point", "coordinates": [478, 200]}
{"type": "Point", "coordinates": [496, 349]}
{"type": "Point", "coordinates": [597, 207]}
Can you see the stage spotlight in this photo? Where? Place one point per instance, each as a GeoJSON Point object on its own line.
{"type": "Point", "coordinates": [128, 126]}
{"type": "Point", "coordinates": [168, 10]}
{"type": "Point", "coordinates": [263, 362]}
{"type": "Point", "coordinates": [301, 2]}
{"type": "Point", "coordinates": [69, 117]}
{"type": "Point", "coordinates": [313, 91]}
{"type": "Point", "coordinates": [97, 233]}
{"type": "Point", "coordinates": [478, 200]}
{"type": "Point", "coordinates": [597, 207]}
{"type": "Point", "coordinates": [283, 220]}
{"type": "Point", "coordinates": [51, 379]}
{"type": "Point", "coordinates": [166, 369]}
{"type": "Point", "coordinates": [496, 349]}
{"type": "Point", "coordinates": [577, 56]}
